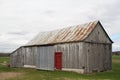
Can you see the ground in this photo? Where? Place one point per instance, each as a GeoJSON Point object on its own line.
{"type": "Point", "coordinates": [7, 73]}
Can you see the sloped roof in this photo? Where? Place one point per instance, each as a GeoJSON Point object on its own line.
{"type": "Point", "coordinates": [70, 34]}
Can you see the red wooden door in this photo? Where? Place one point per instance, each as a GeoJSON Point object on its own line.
{"type": "Point", "coordinates": [58, 60]}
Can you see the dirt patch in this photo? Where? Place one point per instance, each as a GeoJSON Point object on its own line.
{"type": "Point", "coordinates": [66, 78]}
{"type": "Point", "coordinates": [8, 75]}
{"type": "Point", "coordinates": [83, 79]}
{"type": "Point", "coordinates": [75, 79]}
{"type": "Point", "coordinates": [116, 61]}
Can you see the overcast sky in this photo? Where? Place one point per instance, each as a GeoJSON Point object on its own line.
{"type": "Point", "coordinates": [21, 20]}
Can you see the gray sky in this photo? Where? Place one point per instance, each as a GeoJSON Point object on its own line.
{"type": "Point", "coordinates": [21, 20]}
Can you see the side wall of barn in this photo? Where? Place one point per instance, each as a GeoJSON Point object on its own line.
{"type": "Point", "coordinates": [72, 57]}
{"type": "Point", "coordinates": [17, 58]}
{"type": "Point", "coordinates": [45, 58]}
{"type": "Point", "coordinates": [23, 57]}
{"type": "Point", "coordinates": [97, 57]}
{"type": "Point", "coordinates": [30, 54]}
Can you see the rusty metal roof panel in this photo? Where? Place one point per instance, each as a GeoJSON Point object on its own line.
{"type": "Point", "coordinates": [70, 34]}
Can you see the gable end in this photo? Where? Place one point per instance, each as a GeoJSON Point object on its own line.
{"type": "Point", "coordinates": [98, 35]}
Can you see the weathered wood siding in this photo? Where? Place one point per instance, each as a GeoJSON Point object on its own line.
{"type": "Point", "coordinates": [30, 56]}
{"type": "Point", "coordinates": [97, 49]}
{"type": "Point", "coordinates": [98, 35]}
{"type": "Point", "coordinates": [92, 54]}
{"type": "Point", "coordinates": [23, 56]}
{"type": "Point", "coordinates": [97, 57]}
{"type": "Point", "coordinates": [45, 58]}
{"type": "Point", "coordinates": [73, 56]}
{"type": "Point", "coordinates": [17, 58]}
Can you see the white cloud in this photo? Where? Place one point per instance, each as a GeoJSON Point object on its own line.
{"type": "Point", "coordinates": [116, 47]}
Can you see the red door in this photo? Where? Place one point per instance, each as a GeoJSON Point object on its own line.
{"type": "Point", "coordinates": [58, 60]}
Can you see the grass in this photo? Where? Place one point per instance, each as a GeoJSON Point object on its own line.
{"type": "Point", "coordinates": [2, 59]}
{"type": "Point", "coordinates": [116, 57]}
{"type": "Point", "coordinates": [33, 74]}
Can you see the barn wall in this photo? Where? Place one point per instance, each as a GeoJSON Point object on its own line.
{"type": "Point", "coordinates": [17, 58]}
{"type": "Point", "coordinates": [73, 57]}
{"type": "Point", "coordinates": [30, 56]}
{"type": "Point", "coordinates": [98, 35]}
{"type": "Point", "coordinates": [45, 58]}
{"type": "Point", "coordinates": [23, 56]}
{"type": "Point", "coordinates": [97, 57]}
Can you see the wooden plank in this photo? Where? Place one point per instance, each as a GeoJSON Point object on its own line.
{"type": "Point", "coordinates": [98, 35]}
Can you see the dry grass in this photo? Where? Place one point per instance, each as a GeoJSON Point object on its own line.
{"type": "Point", "coordinates": [8, 75]}
{"type": "Point", "coordinates": [116, 61]}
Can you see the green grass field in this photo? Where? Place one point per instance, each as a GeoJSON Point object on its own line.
{"type": "Point", "coordinates": [33, 74]}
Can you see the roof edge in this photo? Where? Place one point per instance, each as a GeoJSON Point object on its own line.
{"type": "Point", "coordinates": [98, 22]}
{"type": "Point", "coordinates": [105, 32]}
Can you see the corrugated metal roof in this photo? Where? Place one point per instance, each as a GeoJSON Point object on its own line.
{"type": "Point", "coordinates": [70, 34]}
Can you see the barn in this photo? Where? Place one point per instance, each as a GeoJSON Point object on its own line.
{"type": "Point", "coordinates": [84, 48]}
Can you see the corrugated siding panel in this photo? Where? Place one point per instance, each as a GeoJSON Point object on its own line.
{"type": "Point", "coordinates": [45, 58]}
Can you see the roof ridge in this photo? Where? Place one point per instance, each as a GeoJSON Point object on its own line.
{"type": "Point", "coordinates": [67, 34]}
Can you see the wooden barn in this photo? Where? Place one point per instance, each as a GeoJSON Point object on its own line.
{"type": "Point", "coordinates": [83, 48]}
